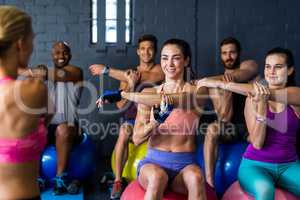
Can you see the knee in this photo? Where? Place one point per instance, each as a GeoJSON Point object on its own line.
{"type": "Point", "coordinates": [195, 177]}
{"type": "Point", "coordinates": [212, 132]}
{"type": "Point", "coordinates": [63, 132]}
{"type": "Point", "coordinates": [158, 178]}
{"type": "Point", "coordinates": [264, 190]}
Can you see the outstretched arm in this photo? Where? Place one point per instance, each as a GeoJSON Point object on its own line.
{"type": "Point", "coordinates": [189, 99]}
{"type": "Point", "coordinates": [288, 95]}
{"type": "Point", "coordinates": [154, 76]}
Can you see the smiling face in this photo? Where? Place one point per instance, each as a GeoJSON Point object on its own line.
{"type": "Point", "coordinates": [276, 70]}
{"type": "Point", "coordinates": [146, 51]}
{"type": "Point", "coordinates": [229, 56]}
{"type": "Point", "coordinates": [61, 55]}
{"type": "Point", "coordinates": [173, 62]}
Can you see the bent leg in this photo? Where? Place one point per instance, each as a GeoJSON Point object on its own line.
{"type": "Point", "coordinates": [211, 152]}
{"type": "Point", "coordinates": [66, 137]}
{"type": "Point", "coordinates": [190, 180]}
{"type": "Point", "coordinates": [290, 178]}
{"type": "Point", "coordinates": [121, 149]}
{"type": "Point", "coordinates": [154, 180]}
{"type": "Point", "coordinates": [256, 180]}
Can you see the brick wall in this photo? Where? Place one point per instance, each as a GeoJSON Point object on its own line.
{"type": "Point", "coordinates": [259, 25]}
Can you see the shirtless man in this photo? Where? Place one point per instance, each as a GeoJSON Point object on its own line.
{"type": "Point", "coordinates": [63, 81]}
{"type": "Point", "coordinates": [146, 72]}
{"type": "Point", "coordinates": [230, 120]}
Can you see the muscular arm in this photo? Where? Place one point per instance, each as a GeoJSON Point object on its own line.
{"type": "Point", "coordinates": [248, 70]}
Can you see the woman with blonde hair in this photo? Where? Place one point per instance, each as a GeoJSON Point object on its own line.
{"type": "Point", "coordinates": [22, 109]}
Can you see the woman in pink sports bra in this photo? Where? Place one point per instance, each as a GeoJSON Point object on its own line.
{"type": "Point", "coordinates": [23, 133]}
{"type": "Point", "coordinates": [170, 160]}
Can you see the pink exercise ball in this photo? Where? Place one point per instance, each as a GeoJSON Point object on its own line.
{"type": "Point", "coordinates": [134, 191]}
{"type": "Point", "coordinates": [235, 192]}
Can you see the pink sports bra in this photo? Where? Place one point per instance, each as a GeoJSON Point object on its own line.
{"type": "Point", "coordinates": [25, 149]}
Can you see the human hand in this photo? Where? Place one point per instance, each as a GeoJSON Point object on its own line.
{"type": "Point", "coordinates": [96, 69]}
{"type": "Point", "coordinates": [109, 96]}
{"type": "Point", "coordinates": [260, 93]}
{"type": "Point", "coordinates": [162, 112]}
{"type": "Point", "coordinates": [227, 77]}
{"type": "Point", "coordinates": [133, 77]}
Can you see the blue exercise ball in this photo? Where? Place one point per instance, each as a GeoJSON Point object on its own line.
{"type": "Point", "coordinates": [227, 165]}
{"type": "Point", "coordinates": [80, 165]}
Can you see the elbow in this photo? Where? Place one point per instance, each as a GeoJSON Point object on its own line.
{"type": "Point", "coordinates": [136, 140]}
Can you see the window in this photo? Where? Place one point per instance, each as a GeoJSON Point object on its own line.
{"type": "Point", "coordinates": [110, 21]}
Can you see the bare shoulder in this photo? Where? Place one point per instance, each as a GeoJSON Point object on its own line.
{"type": "Point", "coordinates": [189, 87]}
{"type": "Point", "coordinates": [249, 64]}
{"type": "Point", "coordinates": [33, 92]}
{"type": "Point", "coordinates": [73, 68]}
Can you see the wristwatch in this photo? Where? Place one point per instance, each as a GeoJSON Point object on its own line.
{"type": "Point", "coordinates": [105, 70]}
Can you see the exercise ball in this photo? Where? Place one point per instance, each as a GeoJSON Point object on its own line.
{"type": "Point", "coordinates": [135, 154]}
{"type": "Point", "coordinates": [227, 164]}
{"type": "Point", "coordinates": [81, 162]}
{"type": "Point", "coordinates": [235, 192]}
{"type": "Point", "coordinates": [134, 191]}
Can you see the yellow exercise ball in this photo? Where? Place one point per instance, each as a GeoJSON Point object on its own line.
{"type": "Point", "coordinates": [135, 154]}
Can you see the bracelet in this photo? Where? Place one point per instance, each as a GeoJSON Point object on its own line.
{"type": "Point", "coordinates": [105, 70]}
{"type": "Point", "coordinates": [260, 119]}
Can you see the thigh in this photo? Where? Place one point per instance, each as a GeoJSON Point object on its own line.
{"type": "Point", "coordinates": [290, 178]}
{"type": "Point", "coordinates": [151, 172]}
{"type": "Point", "coordinates": [255, 179]}
{"type": "Point", "coordinates": [182, 180]}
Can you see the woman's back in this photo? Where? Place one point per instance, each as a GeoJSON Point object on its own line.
{"type": "Point", "coordinates": [22, 137]}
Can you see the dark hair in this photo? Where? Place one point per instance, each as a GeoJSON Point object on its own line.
{"type": "Point", "coordinates": [289, 60]}
{"type": "Point", "coordinates": [232, 40]}
{"type": "Point", "coordinates": [187, 53]}
{"type": "Point", "coordinates": [150, 38]}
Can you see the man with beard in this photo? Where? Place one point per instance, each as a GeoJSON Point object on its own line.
{"type": "Point", "coordinates": [230, 119]}
{"type": "Point", "coordinates": [64, 88]}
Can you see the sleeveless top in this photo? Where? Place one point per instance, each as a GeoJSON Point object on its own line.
{"type": "Point", "coordinates": [280, 141]}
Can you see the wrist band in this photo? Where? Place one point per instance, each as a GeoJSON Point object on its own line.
{"type": "Point", "coordinates": [260, 119]}
{"type": "Point", "coordinates": [105, 70]}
